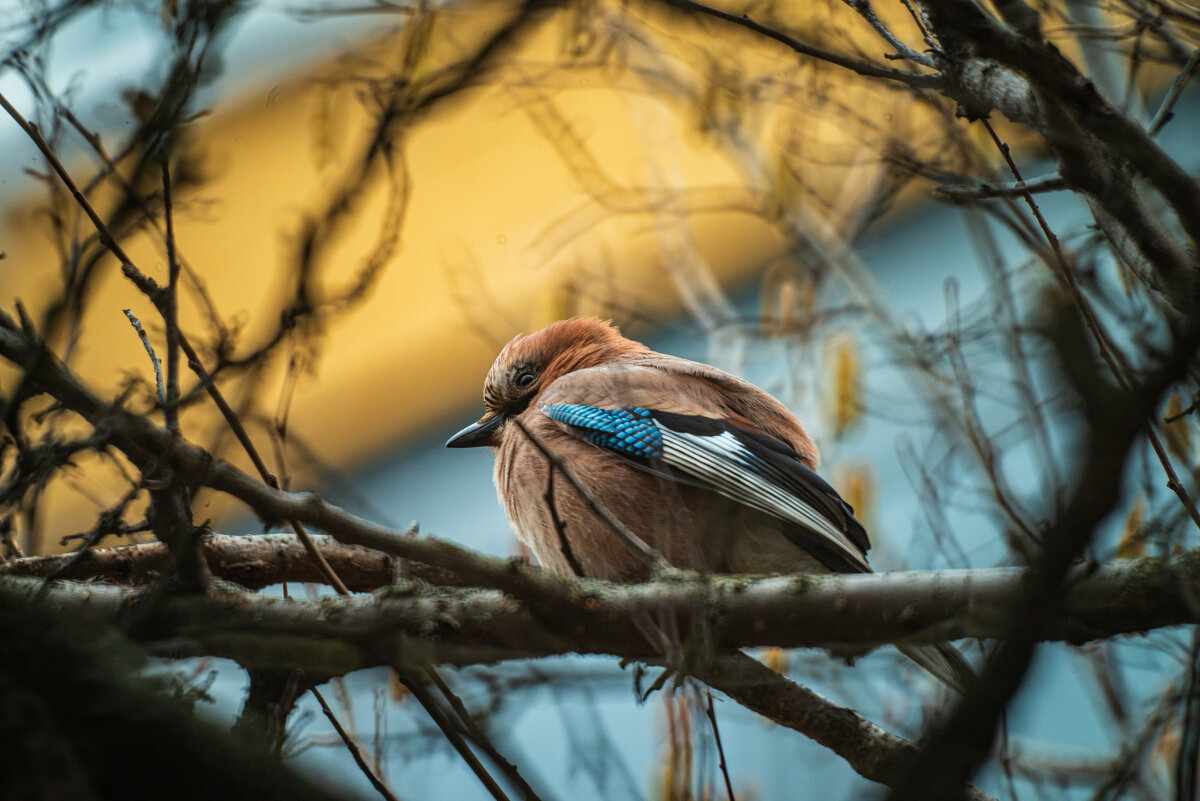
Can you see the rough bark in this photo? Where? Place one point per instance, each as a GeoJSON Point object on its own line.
{"type": "Point", "coordinates": [416, 621]}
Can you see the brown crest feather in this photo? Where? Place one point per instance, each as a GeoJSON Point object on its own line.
{"type": "Point", "coordinates": [559, 348]}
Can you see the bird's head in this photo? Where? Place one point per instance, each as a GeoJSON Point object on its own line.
{"type": "Point", "coordinates": [529, 364]}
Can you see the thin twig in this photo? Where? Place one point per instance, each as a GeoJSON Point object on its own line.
{"type": "Point", "coordinates": [109, 522]}
{"type": "Point", "coordinates": [106, 238]}
{"type": "Point", "coordinates": [1166, 110]}
{"type": "Point", "coordinates": [652, 557]}
{"type": "Point", "coordinates": [560, 527]}
{"type": "Point", "coordinates": [985, 189]}
{"type": "Point", "coordinates": [1018, 357]}
{"type": "Point", "coordinates": [918, 16]}
{"type": "Point", "coordinates": [1005, 756]}
{"type": "Point", "coordinates": [1173, 482]}
{"type": "Point", "coordinates": [864, 68]}
{"type": "Point", "coordinates": [1195, 405]}
{"type": "Point", "coordinates": [439, 717]}
{"type": "Point", "coordinates": [235, 424]}
{"type": "Point", "coordinates": [170, 309]}
{"type": "Point", "coordinates": [867, 12]}
{"type": "Point", "coordinates": [354, 749]}
{"type": "Point", "coordinates": [712, 719]}
{"type": "Point", "coordinates": [158, 376]}
{"type": "Point", "coordinates": [1189, 736]}
{"type": "Point", "coordinates": [231, 417]}
{"type": "Point", "coordinates": [279, 422]}
{"type": "Point", "coordinates": [984, 447]}
{"type": "Point", "coordinates": [480, 738]}
{"type": "Point", "coordinates": [111, 170]}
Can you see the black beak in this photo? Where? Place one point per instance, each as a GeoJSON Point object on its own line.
{"type": "Point", "coordinates": [477, 434]}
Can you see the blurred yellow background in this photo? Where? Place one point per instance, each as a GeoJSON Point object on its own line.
{"type": "Point", "coordinates": [559, 185]}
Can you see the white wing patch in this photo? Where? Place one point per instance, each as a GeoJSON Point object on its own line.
{"type": "Point", "coordinates": [724, 464]}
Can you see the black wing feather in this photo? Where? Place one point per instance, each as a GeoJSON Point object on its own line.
{"type": "Point", "coordinates": [781, 465]}
{"type": "Point", "coordinates": [805, 483]}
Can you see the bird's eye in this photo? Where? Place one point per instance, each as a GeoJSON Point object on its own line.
{"type": "Point", "coordinates": [525, 380]}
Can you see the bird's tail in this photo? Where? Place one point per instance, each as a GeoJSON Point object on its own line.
{"type": "Point", "coordinates": [944, 662]}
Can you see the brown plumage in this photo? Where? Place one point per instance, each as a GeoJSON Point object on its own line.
{"type": "Point", "coordinates": [729, 486]}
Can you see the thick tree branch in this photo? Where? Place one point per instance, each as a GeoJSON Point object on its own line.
{"type": "Point", "coordinates": [543, 593]}
{"type": "Point", "coordinates": [468, 626]}
{"type": "Point", "coordinates": [414, 624]}
{"type": "Point", "coordinates": [557, 615]}
{"type": "Point", "coordinates": [869, 749]}
{"type": "Point", "coordinates": [314, 638]}
{"type": "Point", "coordinates": [253, 562]}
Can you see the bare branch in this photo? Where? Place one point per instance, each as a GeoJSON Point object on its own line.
{"type": "Point", "coordinates": [170, 308]}
{"type": "Point", "coordinates": [253, 562]}
{"type": "Point", "coordinates": [1061, 89]}
{"type": "Point", "coordinates": [869, 749]}
{"type": "Point", "coordinates": [865, 10]}
{"type": "Point", "coordinates": [985, 189]}
{"type": "Point", "coordinates": [865, 68]}
{"type": "Point", "coordinates": [160, 389]}
{"type": "Point", "coordinates": [355, 749]}
{"type": "Point", "coordinates": [469, 626]}
{"type": "Point", "coordinates": [1165, 111]}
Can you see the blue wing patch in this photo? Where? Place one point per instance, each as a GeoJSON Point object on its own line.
{"type": "Point", "coordinates": [745, 466]}
{"type": "Point", "coordinates": [631, 431]}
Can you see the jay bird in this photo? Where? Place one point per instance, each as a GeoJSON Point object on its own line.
{"type": "Point", "coordinates": [706, 468]}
